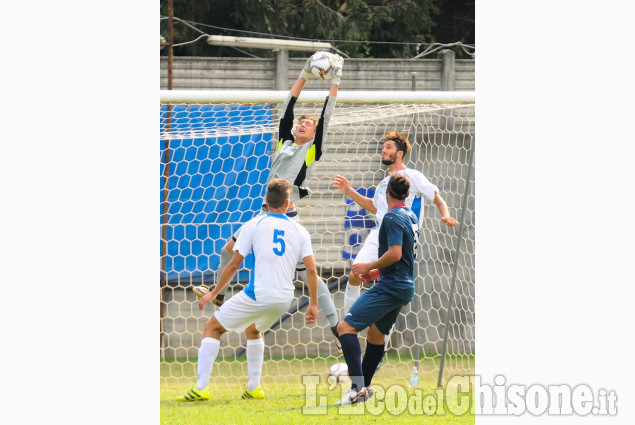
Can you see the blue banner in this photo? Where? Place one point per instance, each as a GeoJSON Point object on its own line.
{"type": "Point", "coordinates": [216, 181]}
{"type": "Point", "coordinates": [357, 225]}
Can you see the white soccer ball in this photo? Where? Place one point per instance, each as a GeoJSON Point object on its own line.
{"type": "Point", "coordinates": [338, 373]}
{"type": "Point", "coordinates": [321, 66]}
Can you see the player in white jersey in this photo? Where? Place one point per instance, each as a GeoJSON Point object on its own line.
{"type": "Point", "coordinates": [395, 147]}
{"type": "Point", "coordinates": [277, 243]}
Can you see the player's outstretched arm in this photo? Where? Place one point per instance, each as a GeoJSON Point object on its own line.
{"type": "Point", "coordinates": [305, 75]}
{"type": "Point", "coordinates": [311, 277]}
{"type": "Point", "coordinates": [445, 213]}
{"type": "Point", "coordinates": [226, 276]}
{"type": "Point", "coordinates": [337, 62]}
{"type": "Point", "coordinates": [341, 183]}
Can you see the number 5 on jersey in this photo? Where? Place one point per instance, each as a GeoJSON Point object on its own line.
{"type": "Point", "coordinates": [277, 239]}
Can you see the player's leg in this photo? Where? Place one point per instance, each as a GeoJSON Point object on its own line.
{"type": "Point", "coordinates": [386, 343]}
{"type": "Point", "coordinates": [264, 315]}
{"type": "Point", "coordinates": [377, 337]}
{"type": "Point", "coordinates": [325, 301]}
{"type": "Point", "coordinates": [325, 304]}
{"type": "Point", "coordinates": [207, 353]}
{"type": "Point", "coordinates": [367, 253]}
{"type": "Point", "coordinates": [352, 355]}
{"type": "Point", "coordinates": [255, 359]}
{"type": "Point", "coordinates": [364, 312]}
{"type": "Point", "coordinates": [374, 353]}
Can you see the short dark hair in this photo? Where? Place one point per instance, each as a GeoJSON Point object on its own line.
{"type": "Point", "coordinates": [399, 186]}
{"type": "Point", "coordinates": [278, 191]}
{"type": "Point", "coordinates": [401, 141]}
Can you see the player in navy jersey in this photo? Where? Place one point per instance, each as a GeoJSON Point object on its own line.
{"type": "Point", "coordinates": [395, 147]}
{"type": "Point", "coordinates": [278, 243]}
{"type": "Point", "coordinates": [377, 309]}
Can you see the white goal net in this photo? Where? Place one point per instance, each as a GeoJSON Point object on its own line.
{"type": "Point", "coordinates": [215, 160]}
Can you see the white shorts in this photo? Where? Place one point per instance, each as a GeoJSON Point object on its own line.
{"type": "Point", "coordinates": [370, 249]}
{"type": "Point", "coordinates": [240, 311]}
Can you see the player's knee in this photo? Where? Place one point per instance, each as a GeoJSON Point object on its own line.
{"type": "Point", "coordinates": [213, 328]}
{"type": "Point", "coordinates": [253, 333]}
{"type": "Point", "coordinates": [345, 328]}
{"type": "Point", "coordinates": [374, 335]}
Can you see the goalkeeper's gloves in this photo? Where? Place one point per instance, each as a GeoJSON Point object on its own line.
{"type": "Point", "coordinates": [306, 71]}
{"type": "Point", "coordinates": [337, 62]}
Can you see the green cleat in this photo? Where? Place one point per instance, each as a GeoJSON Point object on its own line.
{"type": "Point", "coordinates": [257, 393]}
{"type": "Point", "coordinates": [194, 394]}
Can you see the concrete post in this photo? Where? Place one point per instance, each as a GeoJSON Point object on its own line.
{"type": "Point", "coordinates": [282, 66]}
{"type": "Point", "coordinates": [447, 69]}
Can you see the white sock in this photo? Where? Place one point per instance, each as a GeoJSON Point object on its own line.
{"type": "Point", "coordinates": [255, 358]}
{"type": "Point", "coordinates": [206, 357]}
{"type": "Point", "coordinates": [351, 294]}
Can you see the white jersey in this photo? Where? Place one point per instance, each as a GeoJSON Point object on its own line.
{"type": "Point", "coordinates": [278, 243]}
{"type": "Point", "coordinates": [420, 187]}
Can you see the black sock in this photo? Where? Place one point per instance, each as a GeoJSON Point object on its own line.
{"type": "Point", "coordinates": [352, 354]}
{"type": "Point", "coordinates": [334, 331]}
{"type": "Point", "coordinates": [372, 357]}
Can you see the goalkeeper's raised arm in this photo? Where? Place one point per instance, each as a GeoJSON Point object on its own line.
{"type": "Point", "coordinates": [337, 63]}
{"type": "Point", "coordinates": [297, 153]}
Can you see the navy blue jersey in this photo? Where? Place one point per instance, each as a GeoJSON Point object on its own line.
{"type": "Point", "coordinates": [399, 227]}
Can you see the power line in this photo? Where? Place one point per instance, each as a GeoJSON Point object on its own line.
{"type": "Point", "coordinates": [192, 23]}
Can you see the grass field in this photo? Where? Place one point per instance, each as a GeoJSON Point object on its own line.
{"type": "Point", "coordinates": [288, 400]}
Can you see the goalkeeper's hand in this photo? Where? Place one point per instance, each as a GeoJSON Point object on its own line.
{"type": "Point", "coordinates": [337, 62]}
{"type": "Point", "coordinates": [306, 71]}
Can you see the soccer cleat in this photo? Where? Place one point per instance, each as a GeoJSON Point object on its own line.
{"type": "Point", "coordinates": [201, 291]}
{"type": "Point", "coordinates": [194, 394]}
{"type": "Point", "coordinates": [338, 346]}
{"type": "Point", "coordinates": [257, 393]}
{"type": "Point", "coordinates": [347, 399]}
{"type": "Point", "coordinates": [353, 396]}
{"type": "Point", "coordinates": [365, 397]}
{"type": "Point", "coordinates": [219, 300]}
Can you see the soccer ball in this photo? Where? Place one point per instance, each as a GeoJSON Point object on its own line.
{"type": "Point", "coordinates": [321, 66]}
{"type": "Point", "coordinates": [338, 373]}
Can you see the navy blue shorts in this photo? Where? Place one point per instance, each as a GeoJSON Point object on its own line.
{"type": "Point", "coordinates": [375, 306]}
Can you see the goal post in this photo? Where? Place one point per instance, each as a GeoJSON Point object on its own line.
{"type": "Point", "coordinates": [215, 154]}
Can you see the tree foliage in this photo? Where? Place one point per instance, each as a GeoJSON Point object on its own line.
{"type": "Point", "coordinates": [370, 29]}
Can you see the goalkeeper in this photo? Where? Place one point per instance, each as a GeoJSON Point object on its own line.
{"type": "Point", "coordinates": [294, 161]}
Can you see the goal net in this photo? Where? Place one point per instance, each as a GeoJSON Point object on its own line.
{"type": "Point", "coordinates": [215, 160]}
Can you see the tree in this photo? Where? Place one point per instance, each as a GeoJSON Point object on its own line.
{"type": "Point", "coordinates": [371, 28]}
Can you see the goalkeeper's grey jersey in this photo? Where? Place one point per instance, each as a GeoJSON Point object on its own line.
{"type": "Point", "coordinates": [295, 163]}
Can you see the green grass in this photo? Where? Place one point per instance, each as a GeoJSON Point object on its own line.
{"type": "Point", "coordinates": [287, 400]}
